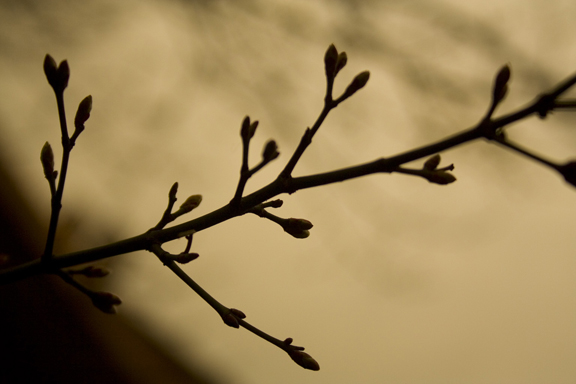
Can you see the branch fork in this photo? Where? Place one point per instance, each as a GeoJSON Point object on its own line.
{"type": "Point", "coordinates": [260, 202]}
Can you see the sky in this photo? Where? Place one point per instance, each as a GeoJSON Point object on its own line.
{"type": "Point", "coordinates": [401, 281]}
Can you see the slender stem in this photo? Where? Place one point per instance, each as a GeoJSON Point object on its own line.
{"type": "Point", "coordinates": [244, 174]}
{"type": "Point", "coordinates": [277, 342]}
{"type": "Point", "coordinates": [56, 202]}
{"type": "Point", "coordinates": [218, 307]}
{"type": "Point", "coordinates": [307, 139]}
{"type": "Point", "coordinates": [195, 287]}
{"type": "Point", "coordinates": [517, 148]}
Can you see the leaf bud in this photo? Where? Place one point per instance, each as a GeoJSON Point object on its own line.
{"type": "Point", "coordinates": [440, 177]}
{"type": "Point", "coordinates": [275, 203]}
{"type": "Point", "coordinates": [340, 62]}
{"type": "Point", "coordinates": [47, 159]}
{"type": "Point", "coordinates": [304, 360]}
{"type": "Point", "coordinates": [185, 257]}
{"type": "Point", "coordinates": [191, 203]}
{"type": "Point", "coordinates": [432, 163]}
{"type": "Point", "coordinates": [83, 113]}
{"type": "Point", "coordinates": [63, 75]}
{"type": "Point", "coordinates": [173, 191]}
{"type": "Point", "coordinates": [358, 83]}
{"type": "Point", "coordinates": [330, 60]}
{"type": "Point", "coordinates": [501, 84]}
{"type": "Point", "coordinates": [270, 151]}
{"type": "Point", "coordinates": [299, 228]}
{"type": "Point", "coordinates": [50, 69]}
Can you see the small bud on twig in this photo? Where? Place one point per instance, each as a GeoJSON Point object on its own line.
{"type": "Point", "coordinates": [82, 114]}
{"type": "Point", "coordinates": [231, 317]}
{"type": "Point", "coordinates": [274, 203]}
{"type": "Point", "coordinates": [50, 69]}
{"type": "Point", "coordinates": [173, 191]}
{"type": "Point", "coordinates": [63, 75]}
{"type": "Point", "coordinates": [270, 151]}
{"type": "Point", "coordinates": [330, 59]}
{"type": "Point", "coordinates": [501, 84]}
{"type": "Point", "coordinates": [191, 203]}
{"type": "Point", "coordinates": [57, 75]}
{"type": "Point", "coordinates": [440, 177]}
{"type": "Point", "coordinates": [358, 83]}
{"type": "Point", "coordinates": [248, 129]}
{"type": "Point", "coordinates": [299, 228]}
{"type": "Point", "coordinates": [47, 159]}
{"type": "Point", "coordinates": [185, 257]}
{"type": "Point", "coordinates": [432, 163]}
{"type": "Point", "coordinates": [304, 360]}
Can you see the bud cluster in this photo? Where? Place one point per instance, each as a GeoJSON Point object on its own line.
{"type": "Point", "coordinates": [248, 129]}
{"type": "Point", "coordinates": [57, 75]}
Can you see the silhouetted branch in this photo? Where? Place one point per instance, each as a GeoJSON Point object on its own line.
{"type": "Point", "coordinates": [258, 202]}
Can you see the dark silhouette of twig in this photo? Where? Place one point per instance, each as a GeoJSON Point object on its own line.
{"type": "Point", "coordinates": [259, 202]}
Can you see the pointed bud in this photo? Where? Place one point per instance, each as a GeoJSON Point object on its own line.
{"type": "Point", "coordinates": [50, 69]}
{"type": "Point", "coordinates": [304, 360]}
{"type": "Point", "coordinates": [191, 203]}
{"type": "Point", "coordinates": [432, 163]}
{"type": "Point", "coordinates": [440, 177]}
{"type": "Point", "coordinates": [47, 159]}
{"type": "Point", "coordinates": [63, 74]}
{"type": "Point", "coordinates": [341, 62]}
{"type": "Point", "coordinates": [330, 59]}
{"type": "Point", "coordinates": [83, 113]}
{"type": "Point", "coordinates": [105, 301]}
{"type": "Point", "coordinates": [275, 203]}
{"type": "Point", "coordinates": [184, 258]}
{"type": "Point", "coordinates": [501, 84]}
{"type": "Point", "coordinates": [245, 127]}
{"type": "Point", "coordinates": [173, 191]}
{"type": "Point", "coordinates": [270, 151]}
{"type": "Point", "coordinates": [358, 83]}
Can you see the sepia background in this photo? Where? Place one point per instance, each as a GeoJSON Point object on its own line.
{"type": "Point", "coordinates": [401, 281]}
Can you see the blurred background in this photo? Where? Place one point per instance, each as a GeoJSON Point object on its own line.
{"type": "Point", "coordinates": [401, 281]}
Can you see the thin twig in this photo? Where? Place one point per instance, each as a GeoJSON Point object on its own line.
{"type": "Point", "coordinates": [277, 187]}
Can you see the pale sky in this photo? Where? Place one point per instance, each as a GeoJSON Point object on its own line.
{"type": "Point", "coordinates": [401, 281]}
